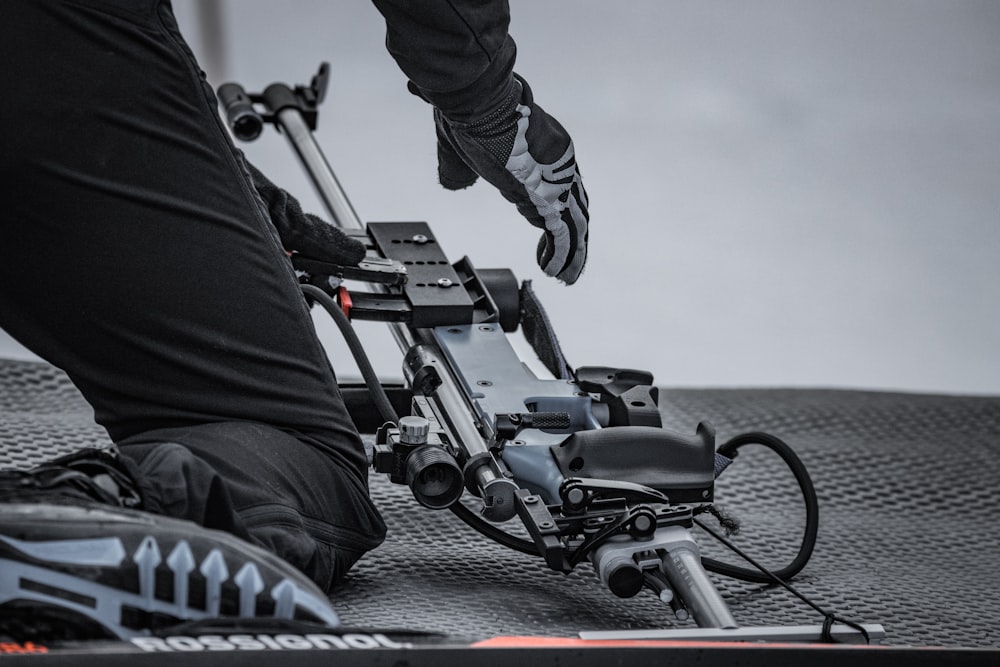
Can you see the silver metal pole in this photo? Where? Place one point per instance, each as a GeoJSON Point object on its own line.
{"type": "Point", "coordinates": [684, 571]}
{"type": "Point", "coordinates": [496, 491]}
{"type": "Point", "coordinates": [323, 179]}
{"type": "Point", "coordinates": [332, 195]}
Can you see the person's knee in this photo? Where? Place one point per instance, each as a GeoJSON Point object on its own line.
{"type": "Point", "coordinates": [178, 483]}
{"type": "Point", "coordinates": [266, 486]}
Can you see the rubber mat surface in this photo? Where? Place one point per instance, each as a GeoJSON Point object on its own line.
{"type": "Point", "coordinates": [908, 534]}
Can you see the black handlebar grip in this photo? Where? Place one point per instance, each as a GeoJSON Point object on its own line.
{"type": "Point", "coordinates": [243, 119]}
{"type": "Point", "coordinates": [509, 424]}
{"type": "Point", "coordinates": [548, 420]}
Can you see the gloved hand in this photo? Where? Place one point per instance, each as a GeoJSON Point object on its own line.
{"type": "Point", "coordinates": [529, 157]}
{"type": "Point", "coordinates": [305, 233]}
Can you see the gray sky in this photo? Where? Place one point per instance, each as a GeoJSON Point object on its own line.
{"type": "Point", "coordinates": [783, 193]}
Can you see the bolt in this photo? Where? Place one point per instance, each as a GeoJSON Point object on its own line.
{"type": "Point", "coordinates": [575, 496]}
{"type": "Point", "coordinates": [531, 500]}
{"type": "Point", "coordinates": [445, 282]}
{"type": "Point", "coordinates": [419, 238]}
{"type": "Point", "coordinates": [642, 524]}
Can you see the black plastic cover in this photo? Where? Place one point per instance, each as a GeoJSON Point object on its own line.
{"type": "Point", "coordinates": [681, 466]}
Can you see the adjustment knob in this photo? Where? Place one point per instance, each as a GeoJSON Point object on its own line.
{"type": "Point", "coordinates": [623, 577]}
{"type": "Point", "coordinates": [413, 430]}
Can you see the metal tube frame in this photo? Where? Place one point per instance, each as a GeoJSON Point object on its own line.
{"type": "Point", "coordinates": [681, 563]}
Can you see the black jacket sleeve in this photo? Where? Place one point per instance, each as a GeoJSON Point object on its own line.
{"type": "Point", "coordinates": [456, 53]}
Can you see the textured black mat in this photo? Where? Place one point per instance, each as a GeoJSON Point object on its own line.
{"type": "Point", "coordinates": [908, 536]}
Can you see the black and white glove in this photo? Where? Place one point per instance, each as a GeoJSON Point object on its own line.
{"type": "Point", "coordinates": [305, 233]}
{"type": "Point", "coordinates": [529, 157]}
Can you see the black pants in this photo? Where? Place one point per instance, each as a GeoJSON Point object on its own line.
{"type": "Point", "coordinates": [136, 256]}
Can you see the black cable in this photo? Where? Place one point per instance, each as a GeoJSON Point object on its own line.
{"type": "Point", "coordinates": [808, 494]}
{"type": "Point", "coordinates": [730, 450]}
{"type": "Point", "coordinates": [386, 410]}
{"type": "Point", "coordinates": [504, 538]}
{"type": "Point", "coordinates": [829, 618]}
{"type": "Point", "coordinates": [480, 524]}
{"type": "Point", "coordinates": [381, 399]}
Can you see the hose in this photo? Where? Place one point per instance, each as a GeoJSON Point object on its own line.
{"type": "Point", "coordinates": [808, 543]}
{"type": "Point", "coordinates": [381, 399]}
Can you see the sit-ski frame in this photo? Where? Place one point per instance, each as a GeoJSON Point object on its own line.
{"type": "Point", "coordinates": [582, 460]}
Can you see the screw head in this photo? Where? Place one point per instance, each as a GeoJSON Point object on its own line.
{"type": "Point", "coordinates": [576, 496]}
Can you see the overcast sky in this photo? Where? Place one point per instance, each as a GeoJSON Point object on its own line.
{"type": "Point", "coordinates": [783, 192]}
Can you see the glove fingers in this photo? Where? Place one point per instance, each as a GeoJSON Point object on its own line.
{"type": "Point", "coordinates": [453, 172]}
{"type": "Point", "coordinates": [530, 158]}
{"type": "Point", "coordinates": [318, 239]}
{"type": "Point", "coordinates": [562, 249]}
{"type": "Point", "coordinates": [576, 217]}
{"type": "Point", "coordinates": [303, 232]}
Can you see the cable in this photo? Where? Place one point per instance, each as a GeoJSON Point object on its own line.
{"type": "Point", "coordinates": [386, 410]}
{"type": "Point", "coordinates": [808, 494]}
{"type": "Point", "coordinates": [730, 450]}
{"type": "Point", "coordinates": [771, 577]}
{"type": "Point", "coordinates": [479, 524]}
{"type": "Point", "coordinates": [379, 396]}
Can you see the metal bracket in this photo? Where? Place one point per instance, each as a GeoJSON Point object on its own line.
{"type": "Point", "coordinates": [578, 493]}
{"type": "Point", "coordinates": [774, 633]}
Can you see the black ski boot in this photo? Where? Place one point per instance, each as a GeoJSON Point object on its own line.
{"type": "Point", "coordinates": [78, 561]}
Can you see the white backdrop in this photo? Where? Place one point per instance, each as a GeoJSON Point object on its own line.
{"type": "Point", "coordinates": [783, 192]}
